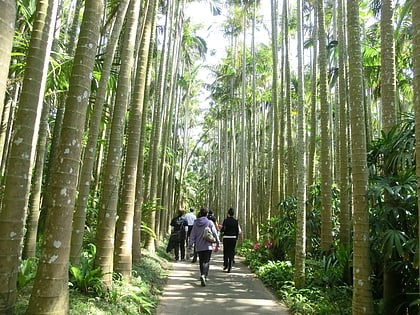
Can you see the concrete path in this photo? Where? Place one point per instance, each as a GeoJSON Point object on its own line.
{"type": "Point", "coordinates": [236, 293]}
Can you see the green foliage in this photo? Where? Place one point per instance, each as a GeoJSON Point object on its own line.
{"type": "Point", "coordinates": [255, 255]}
{"type": "Point", "coordinates": [276, 273]}
{"type": "Point", "coordinates": [329, 270]}
{"type": "Point", "coordinates": [85, 277]}
{"type": "Point", "coordinates": [394, 211]}
{"type": "Point", "coordinates": [27, 271]}
{"type": "Point", "coordinates": [314, 301]}
{"type": "Point", "coordinates": [140, 295]}
{"type": "Point", "coordinates": [325, 293]}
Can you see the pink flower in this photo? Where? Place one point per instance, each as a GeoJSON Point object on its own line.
{"type": "Point", "coordinates": [268, 244]}
{"type": "Point", "coordinates": [256, 246]}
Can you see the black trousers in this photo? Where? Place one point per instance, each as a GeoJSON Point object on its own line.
{"type": "Point", "coordinates": [204, 259]}
{"type": "Point", "coordinates": [229, 246]}
{"type": "Point", "coordinates": [179, 246]}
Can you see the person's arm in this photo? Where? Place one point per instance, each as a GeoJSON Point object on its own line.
{"type": "Point", "coordinates": [216, 236]}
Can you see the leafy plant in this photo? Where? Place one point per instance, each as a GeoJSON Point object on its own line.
{"type": "Point", "coordinates": [85, 277]}
{"type": "Point", "coordinates": [27, 271]}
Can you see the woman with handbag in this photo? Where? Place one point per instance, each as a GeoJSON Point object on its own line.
{"type": "Point", "coordinates": [203, 235]}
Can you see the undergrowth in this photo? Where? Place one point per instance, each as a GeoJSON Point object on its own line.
{"type": "Point", "coordinates": [324, 297]}
{"type": "Point", "coordinates": [138, 296]}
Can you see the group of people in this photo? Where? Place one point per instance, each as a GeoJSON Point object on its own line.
{"type": "Point", "coordinates": [189, 231]}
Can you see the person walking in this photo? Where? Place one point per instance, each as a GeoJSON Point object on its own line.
{"type": "Point", "coordinates": [190, 217]}
{"type": "Point", "coordinates": [213, 218]}
{"type": "Point", "coordinates": [230, 230]}
{"type": "Point", "coordinates": [204, 243]}
{"type": "Point", "coordinates": [179, 231]}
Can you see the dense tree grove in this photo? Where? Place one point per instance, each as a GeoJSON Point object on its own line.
{"type": "Point", "coordinates": [108, 126]}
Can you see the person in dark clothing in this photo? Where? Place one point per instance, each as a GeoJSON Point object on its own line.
{"type": "Point", "coordinates": [204, 247]}
{"type": "Point", "coordinates": [213, 218]}
{"type": "Point", "coordinates": [191, 217]}
{"type": "Point", "coordinates": [179, 231]}
{"type": "Point", "coordinates": [230, 230]}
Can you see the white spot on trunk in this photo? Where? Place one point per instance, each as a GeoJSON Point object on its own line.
{"type": "Point", "coordinates": [53, 258]}
{"type": "Point", "coordinates": [18, 141]}
{"type": "Point", "coordinates": [13, 234]}
{"type": "Point", "coordinates": [57, 244]}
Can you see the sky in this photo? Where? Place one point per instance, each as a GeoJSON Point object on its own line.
{"type": "Point", "coordinates": [212, 33]}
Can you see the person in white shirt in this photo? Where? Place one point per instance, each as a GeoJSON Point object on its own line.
{"type": "Point", "coordinates": [190, 217]}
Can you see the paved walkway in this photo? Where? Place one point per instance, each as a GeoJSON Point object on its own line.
{"type": "Point", "coordinates": [236, 293]}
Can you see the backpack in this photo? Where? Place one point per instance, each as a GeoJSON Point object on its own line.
{"type": "Point", "coordinates": [179, 228]}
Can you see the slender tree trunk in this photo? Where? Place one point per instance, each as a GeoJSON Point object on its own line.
{"type": "Point", "coordinates": [29, 246]}
{"type": "Point", "coordinates": [325, 157]}
{"type": "Point", "coordinates": [392, 280]}
{"type": "Point", "coordinates": [362, 293]}
{"type": "Point", "coordinates": [50, 293]}
{"type": "Point", "coordinates": [344, 184]}
{"type": "Point", "coordinates": [107, 215]}
{"type": "Point", "coordinates": [90, 152]}
{"type": "Point", "coordinates": [22, 153]}
{"type": "Point", "coordinates": [275, 186]}
{"type": "Point", "coordinates": [388, 80]}
{"type": "Point", "coordinates": [124, 229]}
{"type": "Point", "coordinates": [140, 167]}
{"type": "Point", "coordinates": [300, 251]}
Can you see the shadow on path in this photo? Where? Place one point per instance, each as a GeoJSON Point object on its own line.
{"type": "Point", "coordinates": [237, 292]}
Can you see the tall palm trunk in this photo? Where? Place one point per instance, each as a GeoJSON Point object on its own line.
{"type": "Point", "coordinates": [290, 189]}
{"type": "Point", "coordinates": [300, 256]}
{"type": "Point", "coordinates": [275, 176]}
{"type": "Point", "coordinates": [392, 279]}
{"type": "Point", "coordinates": [107, 215]}
{"type": "Point", "coordinates": [325, 157]}
{"type": "Point", "coordinates": [124, 229]}
{"type": "Point", "coordinates": [29, 246]}
{"type": "Point", "coordinates": [22, 153]}
{"type": "Point", "coordinates": [388, 80]}
{"type": "Point", "coordinates": [362, 294]}
{"type": "Point", "coordinates": [50, 293]}
{"type": "Point", "coordinates": [93, 135]}
{"type": "Point", "coordinates": [344, 184]}
{"type": "Point", "coordinates": [151, 192]}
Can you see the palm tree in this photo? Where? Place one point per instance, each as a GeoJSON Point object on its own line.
{"type": "Point", "coordinates": [325, 126]}
{"type": "Point", "coordinates": [90, 151]}
{"type": "Point", "coordinates": [124, 228]}
{"type": "Point", "coordinates": [362, 294]}
{"type": "Point", "coordinates": [275, 176]}
{"type": "Point", "coordinates": [388, 80]}
{"type": "Point", "coordinates": [22, 152]}
{"type": "Point", "coordinates": [343, 165]}
{"type": "Point", "coordinates": [300, 255]}
{"type": "Point", "coordinates": [50, 291]}
{"type": "Point", "coordinates": [108, 204]}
